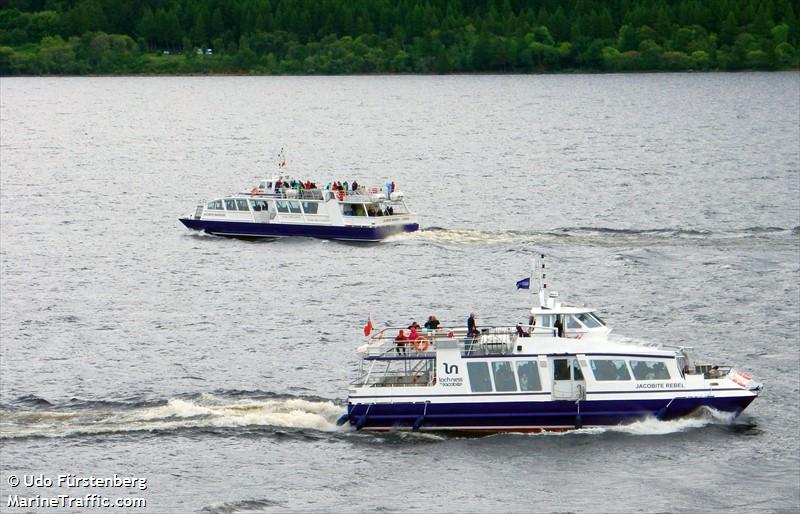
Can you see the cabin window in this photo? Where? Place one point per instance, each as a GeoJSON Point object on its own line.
{"type": "Point", "coordinates": [374, 209]}
{"type": "Point", "coordinates": [355, 209]}
{"type": "Point", "coordinates": [241, 204]}
{"type": "Point", "coordinates": [216, 205]}
{"type": "Point", "coordinates": [561, 369]}
{"type": "Point", "coordinates": [259, 205]}
{"type": "Point", "coordinates": [290, 206]}
{"type": "Point", "coordinates": [609, 370]}
{"type": "Point", "coordinates": [588, 320]}
{"type": "Point", "coordinates": [528, 375]}
{"type": "Point", "coordinates": [230, 204]}
{"type": "Point", "coordinates": [546, 320]}
{"type": "Point", "coordinates": [597, 318]}
{"type": "Point", "coordinates": [681, 362]}
{"type": "Point", "coordinates": [577, 374]}
{"type": "Point", "coordinates": [504, 376]}
{"type": "Point", "coordinates": [650, 370]}
{"type": "Point", "coordinates": [310, 207]}
{"type": "Point", "coordinates": [479, 380]}
{"type": "Point", "coordinates": [398, 208]}
{"type": "Point", "coordinates": [573, 323]}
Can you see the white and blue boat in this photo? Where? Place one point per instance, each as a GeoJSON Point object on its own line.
{"type": "Point", "coordinates": [273, 210]}
{"type": "Point", "coordinates": [560, 371]}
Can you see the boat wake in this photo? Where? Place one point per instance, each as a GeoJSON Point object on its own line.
{"type": "Point", "coordinates": [208, 412]}
{"type": "Point", "coordinates": [701, 418]}
{"type": "Point", "coordinates": [601, 236]}
{"type": "Point", "coordinates": [205, 411]}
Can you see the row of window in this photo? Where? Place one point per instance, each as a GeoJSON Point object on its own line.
{"type": "Point", "coordinates": [296, 207]}
{"type": "Point", "coordinates": [580, 320]}
{"type": "Point", "coordinates": [617, 369]}
{"type": "Point", "coordinates": [285, 206]}
{"type": "Point", "coordinates": [527, 378]}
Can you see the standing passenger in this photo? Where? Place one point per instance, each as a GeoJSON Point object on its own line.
{"type": "Point", "coordinates": [432, 323]}
{"type": "Point", "coordinates": [400, 342]}
{"type": "Point", "coordinates": [472, 328]}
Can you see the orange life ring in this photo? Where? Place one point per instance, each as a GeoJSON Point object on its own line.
{"type": "Point", "coordinates": [421, 343]}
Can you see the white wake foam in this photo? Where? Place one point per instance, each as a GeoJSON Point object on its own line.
{"type": "Point", "coordinates": [703, 417]}
{"type": "Point", "coordinates": [205, 412]}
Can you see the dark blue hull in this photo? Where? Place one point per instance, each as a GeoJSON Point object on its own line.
{"type": "Point", "coordinates": [529, 416]}
{"type": "Point", "coordinates": [274, 230]}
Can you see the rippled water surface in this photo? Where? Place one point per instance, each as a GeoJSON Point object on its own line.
{"type": "Point", "coordinates": [216, 368]}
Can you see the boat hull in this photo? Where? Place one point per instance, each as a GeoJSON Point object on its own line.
{"type": "Point", "coordinates": [277, 230]}
{"type": "Point", "coordinates": [530, 416]}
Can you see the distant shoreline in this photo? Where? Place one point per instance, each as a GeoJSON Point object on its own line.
{"type": "Point", "coordinates": [458, 74]}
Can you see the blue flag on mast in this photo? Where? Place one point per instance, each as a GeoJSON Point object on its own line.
{"type": "Point", "coordinates": [525, 283]}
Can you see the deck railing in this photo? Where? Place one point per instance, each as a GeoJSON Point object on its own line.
{"type": "Point", "coordinates": [491, 340]}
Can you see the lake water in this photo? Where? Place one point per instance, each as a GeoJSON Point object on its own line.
{"type": "Point", "coordinates": [216, 368]}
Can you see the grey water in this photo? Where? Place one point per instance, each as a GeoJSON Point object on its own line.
{"type": "Point", "coordinates": [216, 368]}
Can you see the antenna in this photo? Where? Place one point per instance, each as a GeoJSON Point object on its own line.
{"type": "Point", "coordinates": [544, 275]}
{"type": "Point", "coordinates": [541, 278]}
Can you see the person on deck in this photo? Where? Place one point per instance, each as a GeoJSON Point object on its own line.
{"type": "Point", "coordinates": [432, 323]}
{"type": "Point", "coordinates": [472, 334]}
{"type": "Point", "coordinates": [400, 342]}
{"type": "Point", "coordinates": [472, 328]}
{"type": "Point", "coordinates": [559, 325]}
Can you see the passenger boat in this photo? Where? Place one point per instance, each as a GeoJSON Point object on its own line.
{"type": "Point", "coordinates": [273, 210]}
{"type": "Point", "coordinates": [560, 371]}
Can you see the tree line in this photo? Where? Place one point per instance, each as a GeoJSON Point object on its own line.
{"type": "Point", "coordinates": [394, 36]}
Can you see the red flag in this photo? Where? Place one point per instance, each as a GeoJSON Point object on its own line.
{"type": "Point", "coordinates": [368, 327]}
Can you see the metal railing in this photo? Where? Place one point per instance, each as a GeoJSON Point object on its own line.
{"type": "Point", "coordinates": [491, 340]}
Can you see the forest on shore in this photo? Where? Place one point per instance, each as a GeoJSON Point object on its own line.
{"type": "Point", "coordinates": [76, 37]}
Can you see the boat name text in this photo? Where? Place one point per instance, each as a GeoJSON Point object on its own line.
{"type": "Point", "coordinates": [662, 385]}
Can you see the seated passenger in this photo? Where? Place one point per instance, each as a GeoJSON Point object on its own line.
{"type": "Point", "coordinates": [521, 332]}
{"type": "Point", "coordinates": [413, 334]}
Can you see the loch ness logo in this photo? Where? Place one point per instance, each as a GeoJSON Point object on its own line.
{"type": "Point", "coordinates": [450, 369]}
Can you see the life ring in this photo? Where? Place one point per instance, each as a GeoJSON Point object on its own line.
{"type": "Point", "coordinates": [416, 377]}
{"type": "Point", "coordinates": [421, 343]}
{"type": "Point", "coordinates": [340, 194]}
